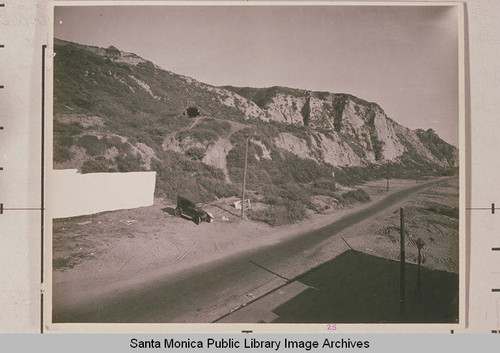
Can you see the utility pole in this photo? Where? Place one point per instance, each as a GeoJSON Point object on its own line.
{"type": "Point", "coordinates": [244, 179]}
{"type": "Point", "coordinates": [402, 263]}
{"type": "Point", "coordinates": [418, 174]}
{"type": "Point", "coordinates": [387, 170]}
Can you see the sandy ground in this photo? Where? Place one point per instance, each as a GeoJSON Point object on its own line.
{"type": "Point", "coordinates": [111, 251]}
{"type": "Point", "coordinates": [380, 235]}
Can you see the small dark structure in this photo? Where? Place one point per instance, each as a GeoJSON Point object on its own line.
{"type": "Point", "coordinates": [188, 208]}
{"type": "Point", "coordinates": [192, 112]}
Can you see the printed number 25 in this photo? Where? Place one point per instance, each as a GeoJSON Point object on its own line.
{"type": "Point", "coordinates": [331, 327]}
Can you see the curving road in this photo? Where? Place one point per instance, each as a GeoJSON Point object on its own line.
{"type": "Point", "coordinates": [206, 293]}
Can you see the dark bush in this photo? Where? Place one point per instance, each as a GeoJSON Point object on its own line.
{"type": "Point", "coordinates": [338, 103]}
{"type": "Point", "coordinates": [218, 188]}
{"type": "Point", "coordinates": [295, 192]}
{"type": "Point", "coordinates": [112, 51]}
{"type": "Point", "coordinates": [325, 184]}
{"type": "Point", "coordinates": [61, 153]}
{"type": "Point", "coordinates": [92, 144]}
{"type": "Point", "coordinates": [62, 145]}
{"type": "Point", "coordinates": [195, 153]}
{"type": "Point", "coordinates": [129, 163]}
{"type": "Point", "coordinates": [359, 195]}
{"type": "Point", "coordinates": [306, 111]}
{"type": "Point", "coordinates": [220, 127]}
{"type": "Point", "coordinates": [96, 165]}
{"type": "Point", "coordinates": [201, 135]}
{"type": "Point", "coordinates": [284, 213]}
{"type": "Point", "coordinates": [240, 136]}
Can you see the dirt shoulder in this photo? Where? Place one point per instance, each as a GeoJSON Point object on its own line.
{"type": "Point", "coordinates": [112, 251]}
{"type": "Point", "coordinates": [431, 215]}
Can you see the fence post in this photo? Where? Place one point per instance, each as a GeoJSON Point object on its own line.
{"type": "Point", "coordinates": [402, 263]}
{"type": "Point", "coordinates": [420, 244]}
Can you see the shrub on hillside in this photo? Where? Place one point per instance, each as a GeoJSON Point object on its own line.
{"type": "Point", "coordinates": [195, 153]}
{"type": "Point", "coordinates": [201, 135]}
{"type": "Point", "coordinates": [294, 192]}
{"type": "Point", "coordinates": [218, 188]}
{"type": "Point", "coordinates": [221, 127]}
{"type": "Point", "coordinates": [353, 196]}
{"type": "Point", "coordinates": [239, 136]}
{"type": "Point", "coordinates": [338, 103]}
{"type": "Point", "coordinates": [96, 165]}
{"type": "Point", "coordinates": [378, 146]}
{"type": "Point", "coordinates": [61, 153]}
{"type": "Point", "coordinates": [286, 212]}
{"type": "Point", "coordinates": [206, 131]}
{"type": "Point", "coordinates": [129, 163]}
{"type": "Point", "coordinates": [92, 144]}
{"type": "Point", "coordinates": [326, 184]}
{"type": "Point", "coordinates": [294, 169]}
{"type": "Point", "coordinates": [62, 144]}
{"type": "Point", "coordinates": [322, 187]}
{"type": "Point", "coordinates": [306, 170]}
{"type": "Point", "coordinates": [236, 156]}
{"type": "Point", "coordinates": [356, 175]}
{"type": "Point", "coordinates": [64, 139]}
{"type": "Point", "coordinates": [306, 111]}
{"type": "Point", "coordinates": [112, 51]}
{"type": "Point", "coordinates": [176, 175]}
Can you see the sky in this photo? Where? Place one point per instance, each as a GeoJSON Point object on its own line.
{"type": "Point", "coordinates": [403, 58]}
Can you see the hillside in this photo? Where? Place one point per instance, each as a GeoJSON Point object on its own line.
{"type": "Point", "coordinates": [116, 112]}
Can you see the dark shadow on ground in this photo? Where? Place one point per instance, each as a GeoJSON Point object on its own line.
{"type": "Point", "coordinates": [360, 288]}
{"type": "Point", "coordinates": [169, 210]}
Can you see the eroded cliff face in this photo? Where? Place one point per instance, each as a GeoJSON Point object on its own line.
{"type": "Point", "coordinates": [346, 130]}
{"type": "Point", "coordinates": [115, 111]}
{"type": "Point", "coordinates": [286, 109]}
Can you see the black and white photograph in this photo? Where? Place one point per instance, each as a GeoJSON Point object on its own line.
{"type": "Point", "coordinates": [277, 163]}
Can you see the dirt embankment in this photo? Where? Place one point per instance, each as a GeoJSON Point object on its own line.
{"type": "Point", "coordinates": [113, 250]}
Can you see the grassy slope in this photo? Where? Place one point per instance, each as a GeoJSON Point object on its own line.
{"type": "Point", "coordinates": [90, 82]}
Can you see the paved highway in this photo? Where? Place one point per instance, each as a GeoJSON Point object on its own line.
{"type": "Point", "coordinates": [206, 293]}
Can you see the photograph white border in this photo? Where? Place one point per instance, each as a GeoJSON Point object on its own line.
{"type": "Point", "coordinates": [256, 328]}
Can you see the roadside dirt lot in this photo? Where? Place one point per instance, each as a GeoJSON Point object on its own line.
{"type": "Point", "coordinates": [110, 251]}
